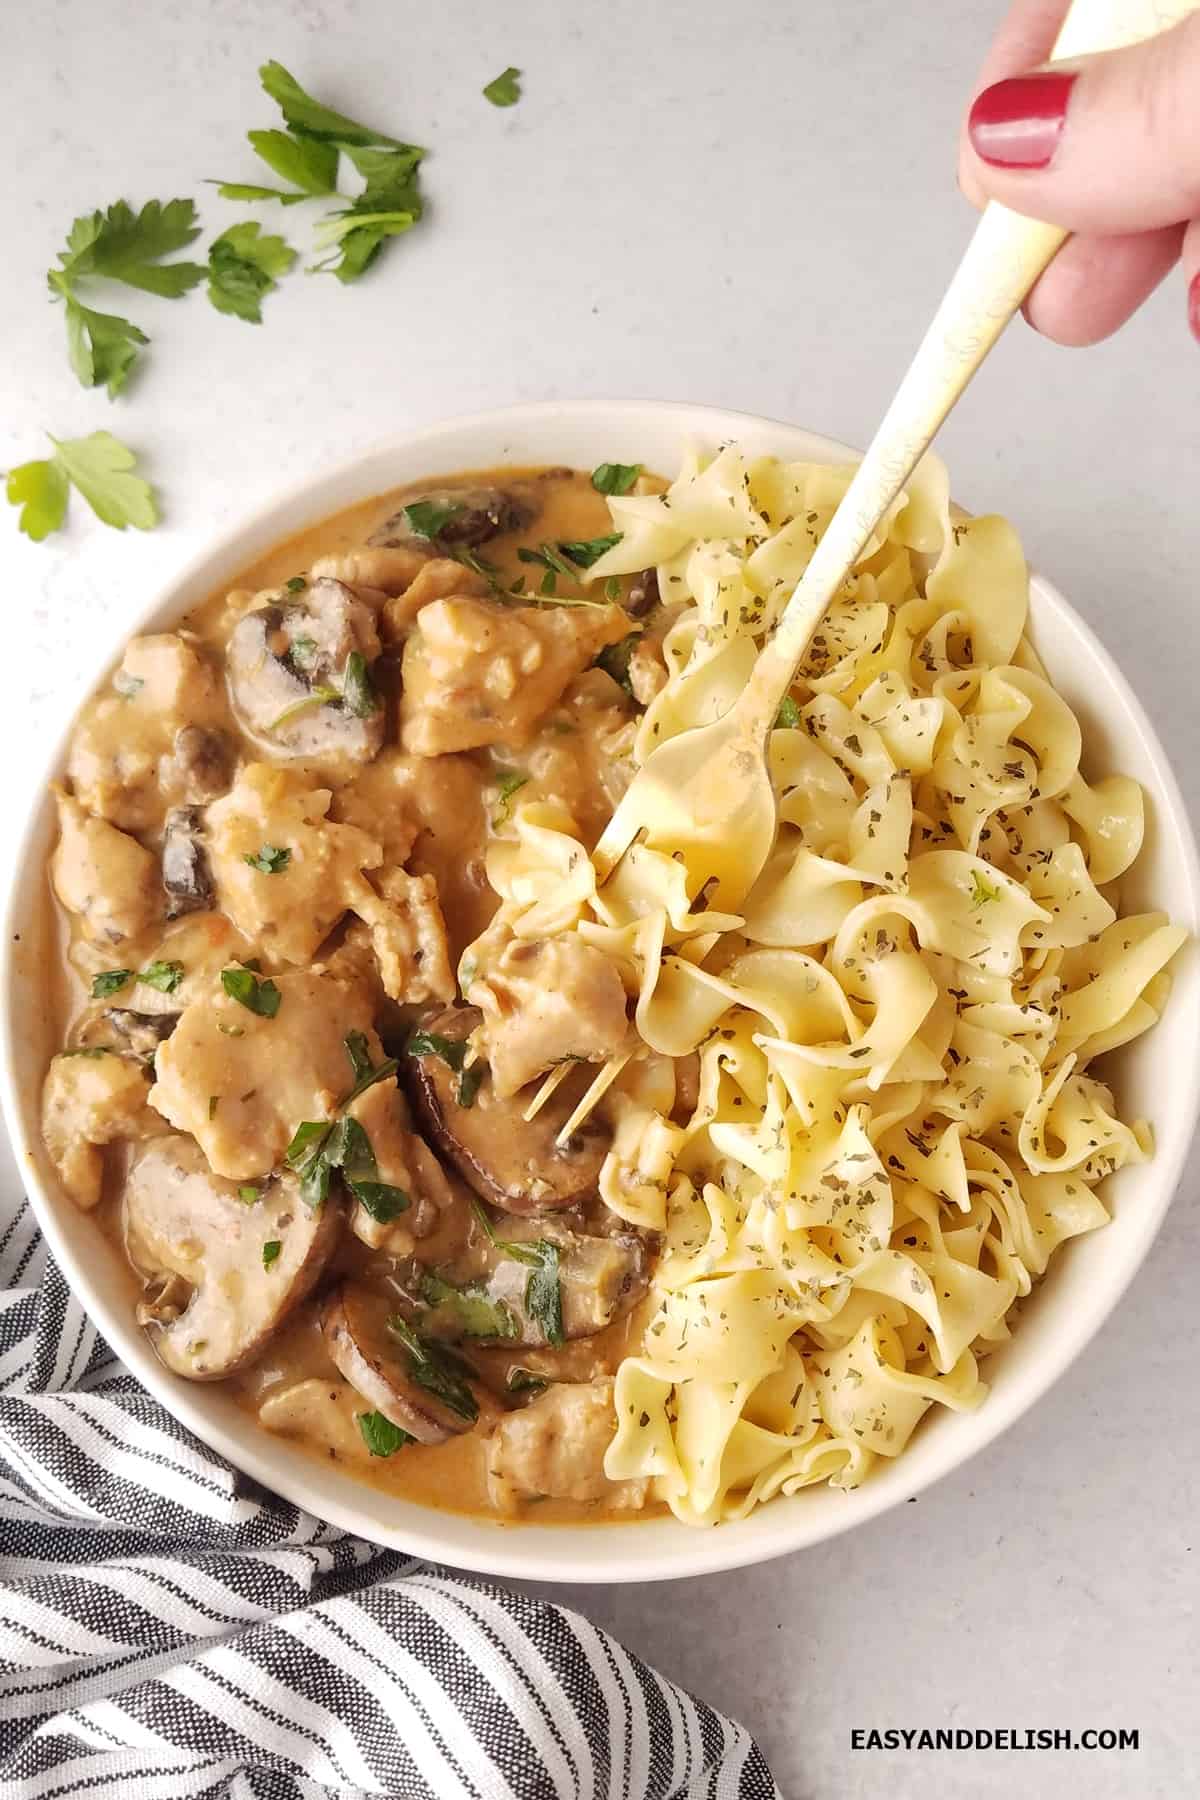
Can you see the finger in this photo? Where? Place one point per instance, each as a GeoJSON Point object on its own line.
{"type": "Point", "coordinates": [1108, 144]}
{"type": "Point", "coordinates": [1095, 283]}
{"type": "Point", "coordinates": [1025, 39]}
{"type": "Point", "coordinates": [1190, 257]}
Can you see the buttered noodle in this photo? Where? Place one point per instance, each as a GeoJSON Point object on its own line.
{"type": "Point", "coordinates": [898, 1117]}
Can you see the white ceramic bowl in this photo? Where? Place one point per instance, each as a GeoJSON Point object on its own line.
{"type": "Point", "coordinates": [1158, 1076]}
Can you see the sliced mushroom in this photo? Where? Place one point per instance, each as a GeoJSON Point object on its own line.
{"type": "Point", "coordinates": [201, 763]}
{"type": "Point", "coordinates": [643, 594]}
{"type": "Point", "coordinates": [300, 678]}
{"type": "Point", "coordinates": [249, 1258]}
{"type": "Point", "coordinates": [140, 1032]}
{"type": "Point", "coordinates": [185, 872]}
{"type": "Point", "coordinates": [480, 513]}
{"type": "Point", "coordinates": [413, 1383]}
{"type": "Point", "coordinates": [488, 1296]}
{"type": "Point", "coordinates": [507, 1159]}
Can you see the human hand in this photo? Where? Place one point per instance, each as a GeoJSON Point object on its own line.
{"type": "Point", "coordinates": [1107, 146]}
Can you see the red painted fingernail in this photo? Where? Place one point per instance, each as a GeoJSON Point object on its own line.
{"type": "Point", "coordinates": [1017, 124]}
{"type": "Point", "coordinates": [1194, 307]}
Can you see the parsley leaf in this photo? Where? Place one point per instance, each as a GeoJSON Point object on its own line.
{"type": "Point", "coordinates": [99, 467]}
{"type": "Point", "coordinates": [270, 860]}
{"type": "Point", "coordinates": [788, 716]}
{"type": "Point", "coordinates": [165, 976]}
{"type": "Point", "coordinates": [380, 1199]}
{"type": "Point", "coordinates": [270, 1252]}
{"type": "Point", "coordinates": [261, 997]}
{"type": "Point", "coordinates": [428, 519]}
{"type": "Point", "coordinates": [250, 190]}
{"type": "Point", "coordinates": [357, 238]}
{"type": "Point", "coordinates": [109, 982]}
{"type": "Point", "coordinates": [469, 1311]}
{"type": "Point", "coordinates": [615, 478]}
{"type": "Point", "coordinates": [469, 1083]}
{"type": "Point", "coordinates": [242, 266]}
{"type": "Point", "coordinates": [982, 890]}
{"type": "Point", "coordinates": [41, 490]}
{"type": "Point", "coordinates": [248, 1193]}
{"type": "Point", "coordinates": [436, 1370]}
{"type": "Point", "coordinates": [122, 245]}
{"type": "Point", "coordinates": [101, 347]}
{"type": "Point", "coordinates": [614, 660]}
{"type": "Point", "coordinates": [543, 1291]}
{"type": "Point", "coordinates": [306, 163]}
{"type": "Point", "coordinates": [520, 1380]}
{"type": "Point", "coordinates": [586, 551]}
{"type": "Point", "coordinates": [358, 692]}
{"type": "Point", "coordinates": [364, 1075]}
{"type": "Point", "coordinates": [510, 782]}
{"type": "Point", "coordinates": [505, 90]}
{"type": "Point", "coordinates": [432, 1043]}
{"type": "Point", "coordinates": [310, 118]}
{"type": "Point", "coordinates": [381, 1437]}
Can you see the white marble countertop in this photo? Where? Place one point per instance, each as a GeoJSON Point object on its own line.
{"type": "Point", "coordinates": [752, 206]}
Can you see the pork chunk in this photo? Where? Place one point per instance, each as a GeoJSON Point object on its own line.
{"type": "Point", "coordinates": [546, 1001]}
{"type": "Point", "coordinates": [91, 1098]}
{"type": "Point", "coordinates": [438, 579]}
{"type": "Point", "coordinates": [408, 934]}
{"type": "Point", "coordinates": [479, 672]}
{"type": "Point", "coordinates": [122, 762]}
{"type": "Point", "coordinates": [554, 1449]}
{"type": "Point", "coordinates": [103, 876]}
{"type": "Point", "coordinates": [241, 1083]}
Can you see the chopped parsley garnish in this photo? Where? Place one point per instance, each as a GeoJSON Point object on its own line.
{"type": "Point", "coordinates": [127, 685]}
{"type": "Point", "coordinates": [270, 860]}
{"type": "Point", "coordinates": [583, 552]}
{"type": "Point", "coordinates": [358, 692]}
{"type": "Point", "coordinates": [520, 1380]}
{"type": "Point", "coordinates": [543, 1292]}
{"type": "Point", "coordinates": [381, 1437]}
{"type": "Point", "coordinates": [982, 890]}
{"type": "Point", "coordinates": [248, 1193]}
{"type": "Point", "coordinates": [614, 660]}
{"type": "Point", "coordinates": [270, 1252]}
{"type": "Point", "coordinates": [380, 1199]}
{"type": "Point", "coordinates": [261, 997]}
{"type": "Point", "coordinates": [505, 90]}
{"type": "Point", "coordinates": [469, 1083]}
{"type": "Point", "coordinates": [436, 1370]}
{"type": "Point", "coordinates": [615, 478]}
{"type": "Point", "coordinates": [165, 976]}
{"type": "Point", "coordinates": [509, 782]}
{"type": "Point", "coordinates": [788, 716]}
{"type": "Point", "coordinates": [427, 519]}
{"type": "Point", "coordinates": [453, 1052]}
{"type": "Point", "coordinates": [365, 1075]}
{"type": "Point", "coordinates": [109, 981]}
{"type": "Point", "coordinates": [296, 584]}
{"type": "Point", "coordinates": [470, 1310]}
{"type": "Point", "coordinates": [320, 696]}
{"type": "Point", "coordinates": [100, 468]}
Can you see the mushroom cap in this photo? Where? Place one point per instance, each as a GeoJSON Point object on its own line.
{"type": "Point", "coordinates": [512, 1161]}
{"type": "Point", "coordinates": [185, 1225]}
{"type": "Point", "coordinates": [414, 1389]}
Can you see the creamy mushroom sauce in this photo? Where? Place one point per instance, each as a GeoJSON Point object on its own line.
{"type": "Point", "coordinates": [273, 826]}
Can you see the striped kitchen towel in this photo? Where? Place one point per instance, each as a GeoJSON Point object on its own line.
{"type": "Point", "coordinates": [169, 1629]}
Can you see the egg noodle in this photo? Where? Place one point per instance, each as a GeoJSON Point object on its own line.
{"type": "Point", "coordinates": [896, 1123]}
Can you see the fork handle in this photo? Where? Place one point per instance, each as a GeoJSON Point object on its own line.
{"type": "Point", "coordinates": [1003, 260]}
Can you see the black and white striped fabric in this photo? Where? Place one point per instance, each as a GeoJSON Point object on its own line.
{"type": "Point", "coordinates": [169, 1630]}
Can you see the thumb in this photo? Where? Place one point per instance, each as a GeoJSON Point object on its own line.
{"type": "Point", "coordinates": [1104, 144]}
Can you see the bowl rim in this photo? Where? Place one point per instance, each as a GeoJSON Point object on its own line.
{"type": "Point", "coordinates": [527, 1551]}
